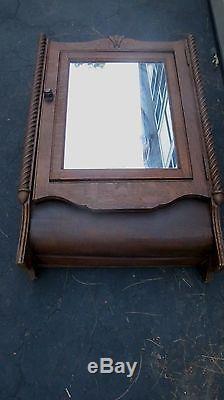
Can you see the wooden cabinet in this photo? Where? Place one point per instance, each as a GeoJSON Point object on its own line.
{"type": "Point", "coordinates": [86, 200]}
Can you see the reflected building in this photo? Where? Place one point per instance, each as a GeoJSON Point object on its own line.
{"type": "Point", "coordinates": [157, 131]}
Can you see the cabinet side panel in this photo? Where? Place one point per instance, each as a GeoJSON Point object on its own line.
{"type": "Point", "coordinates": [26, 179]}
{"type": "Point", "coordinates": [215, 178]}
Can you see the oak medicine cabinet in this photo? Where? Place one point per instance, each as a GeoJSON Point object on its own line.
{"type": "Point", "coordinates": [119, 166]}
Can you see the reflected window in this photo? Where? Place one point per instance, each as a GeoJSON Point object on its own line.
{"type": "Point", "coordinates": [158, 136]}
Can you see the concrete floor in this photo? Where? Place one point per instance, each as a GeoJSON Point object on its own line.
{"type": "Point", "coordinates": [167, 320]}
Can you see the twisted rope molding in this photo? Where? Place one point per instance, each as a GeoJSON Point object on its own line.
{"type": "Point", "coordinates": [28, 154]}
{"type": "Point", "coordinates": [217, 189]}
{"type": "Point", "coordinates": [33, 122]}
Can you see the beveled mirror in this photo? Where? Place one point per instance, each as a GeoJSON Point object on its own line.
{"type": "Point", "coordinates": [118, 116]}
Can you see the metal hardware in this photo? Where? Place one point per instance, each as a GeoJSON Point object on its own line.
{"type": "Point", "coordinates": [48, 95]}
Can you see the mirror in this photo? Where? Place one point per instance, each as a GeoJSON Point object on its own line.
{"type": "Point", "coordinates": [118, 116]}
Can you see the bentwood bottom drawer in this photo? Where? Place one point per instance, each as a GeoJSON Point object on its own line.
{"type": "Point", "coordinates": [65, 234]}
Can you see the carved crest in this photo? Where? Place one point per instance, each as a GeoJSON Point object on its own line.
{"type": "Point", "coordinates": [116, 40]}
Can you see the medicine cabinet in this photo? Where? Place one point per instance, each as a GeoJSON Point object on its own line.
{"type": "Point", "coordinates": [119, 166]}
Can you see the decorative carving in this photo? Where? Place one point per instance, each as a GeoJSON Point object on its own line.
{"type": "Point", "coordinates": [33, 122]}
{"type": "Point", "coordinates": [23, 259]}
{"type": "Point", "coordinates": [217, 189]}
{"type": "Point", "coordinates": [116, 40]}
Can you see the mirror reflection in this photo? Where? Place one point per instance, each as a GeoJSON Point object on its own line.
{"type": "Point", "coordinates": [118, 116]}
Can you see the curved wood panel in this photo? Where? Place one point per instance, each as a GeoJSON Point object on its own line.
{"type": "Point", "coordinates": [179, 229]}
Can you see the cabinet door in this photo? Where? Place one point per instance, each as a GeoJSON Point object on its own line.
{"type": "Point", "coordinates": [120, 126]}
